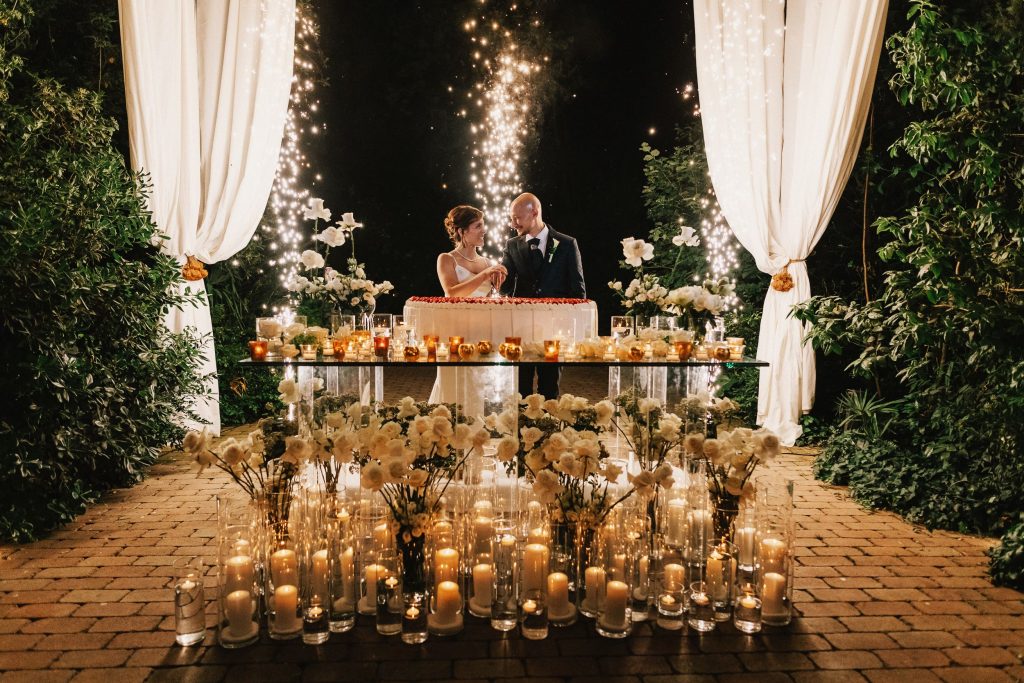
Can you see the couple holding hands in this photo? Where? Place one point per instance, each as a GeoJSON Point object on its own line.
{"type": "Point", "coordinates": [538, 262]}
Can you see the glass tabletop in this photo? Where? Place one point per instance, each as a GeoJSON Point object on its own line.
{"type": "Point", "coordinates": [497, 360]}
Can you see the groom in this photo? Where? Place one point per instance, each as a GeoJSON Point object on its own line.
{"type": "Point", "coordinates": [541, 262]}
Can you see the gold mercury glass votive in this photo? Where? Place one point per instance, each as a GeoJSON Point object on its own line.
{"type": "Point", "coordinates": [466, 351]}
{"type": "Point", "coordinates": [484, 347]}
{"type": "Point", "coordinates": [411, 352]}
{"type": "Point", "coordinates": [513, 352]}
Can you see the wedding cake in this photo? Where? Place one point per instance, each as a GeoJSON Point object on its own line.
{"type": "Point", "coordinates": [477, 319]}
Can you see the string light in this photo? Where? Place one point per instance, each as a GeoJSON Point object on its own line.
{"type": "Point", "coordinates": [290, 194]}
{"type": "Point", "coordinates": [506, 99]}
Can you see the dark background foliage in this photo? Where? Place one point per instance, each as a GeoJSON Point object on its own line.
{"type": "Point", "coordinates": [91, 378]}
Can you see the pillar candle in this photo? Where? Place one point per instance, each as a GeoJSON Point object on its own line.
{"type": "Point", "coordinates": [238, 609]}
{"type": "Point", "coordinates": [615, 598]}
{"type": "Point", "coordinates": [484, 508]}
{"type": "Point", "coordinates": [773, 555]}
{"type": "Point", "coordinates": [773, 603]}
{"type": "Point", "coordinates": [286, 603]}
{"type": "Point", "coordinates": [538, 535]}
{"type": "Point", "coordinates": [483, 528]}
{"type": "Point", "coordinates": [745, 544]}
{"type": "Point", "coordinates": [714, 576]}
{"type": "Point", "coordinates": [595, 578]}
{"type": "Point", "coordinates": [381, 535]}
{"type": "Point", "coordinates": [448, 603]}
{"type": "Point", "coordinates": [371, 574]}
{"type": "Point", "coordinates": [619, 566]}
{"type": "Point", "coordinates": [446, 565]}
{"type": "Point", "coordinates": [674, 574]}
{"type": "Point", "coordinates": [676, 522]}
{"type": "Point", "coordinates": [347, 572]}
{"type": "Point", "coordinates": [483, 577]}
{"type": "Point", "coordinates": [320, 574]}
{"type": "Point", "coordinates": [535, 566]}
{"type": "Point", "coordinates": [558, 594]}
{"type": "Point", "coordinates": [240, 574]}
{"type": "Point", "coordinates": [283, 567]}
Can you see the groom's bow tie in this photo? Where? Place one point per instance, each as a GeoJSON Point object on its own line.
{"type": "Point", "coordinates": [536, 257]}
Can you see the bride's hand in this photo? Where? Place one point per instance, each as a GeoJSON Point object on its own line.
{"type": "Point", "coordinates": [497, 273]}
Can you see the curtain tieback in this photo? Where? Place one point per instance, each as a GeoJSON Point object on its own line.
{"type": "Point", "coordinates": [193, 269]}
{"type": "Point", "coordinates": [782, 281]}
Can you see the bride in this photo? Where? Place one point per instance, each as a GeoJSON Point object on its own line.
{"type": "Point", "coordinates": [464, 272]}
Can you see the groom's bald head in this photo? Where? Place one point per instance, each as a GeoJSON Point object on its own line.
{"type": "Point", "coordinates": [526, 214]}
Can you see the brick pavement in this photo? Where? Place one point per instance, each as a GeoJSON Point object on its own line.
{"type": "Point", "coordinates": [879, 600]}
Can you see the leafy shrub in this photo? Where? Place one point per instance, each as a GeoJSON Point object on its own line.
{"type": "Point", "coordinates": [944, 333]}
{"type": "Point", "coordinates": [92, 379]}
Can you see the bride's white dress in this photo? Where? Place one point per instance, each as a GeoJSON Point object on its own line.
{"type": "Point", "coordinates": [446, 386]}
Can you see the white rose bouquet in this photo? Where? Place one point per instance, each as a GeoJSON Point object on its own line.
{"type": "Point", "coordinates": [730, 461]}
{"type": "Point", "coordinates": [327, 288]}
{"type": "Point", "coordinates": [558, 445]}
{"type": "Point", "coordinates": [264, 464]}
{"type": "Point", "coordinates": [409, 453]}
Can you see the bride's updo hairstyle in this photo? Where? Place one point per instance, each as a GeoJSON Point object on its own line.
{"type": "Point", "coordinates": [459, 219]}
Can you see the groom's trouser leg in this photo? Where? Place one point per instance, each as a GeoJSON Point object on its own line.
{"type": "Point", "coordinates": [548, 377]}
{"type": "Point", "coordinates": [526, 379]}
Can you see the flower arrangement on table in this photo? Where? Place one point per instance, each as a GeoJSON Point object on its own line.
{"type": "Point", "coordinates": [330, 290]}
{"type": "Point", "coordinates": [646, 296]}
{"type": "Point", "coordinates": [730, 461]}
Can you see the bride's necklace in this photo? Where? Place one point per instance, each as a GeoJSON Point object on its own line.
{"type": "Point", "coordinates": [466, 258]}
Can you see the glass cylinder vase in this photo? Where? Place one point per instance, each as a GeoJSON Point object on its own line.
{"type": "Point", "coordinates": [238, 599]}
{"type": "Point", "coordinates": [774, 562]}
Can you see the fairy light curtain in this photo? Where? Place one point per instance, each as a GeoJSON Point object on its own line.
{"type": "Point", "coordinates": [207, 86]}
{"type": "Point", "coordinates": [784, 94]}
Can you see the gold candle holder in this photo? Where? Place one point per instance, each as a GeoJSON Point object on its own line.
{"type": "Point", "coordinates": [684, 349]}
{"type": "Point", "coordinates": [484, 347]}
{"type": "Point", "coordinates": [411, 352]}
{"type": "Point", "coordinates": [381, 345]}
{"type": "Point", "coordinates": [466, 351]}
{"type": "Point", "coordinates": [258, 349]}
{"type": "Point", "coordinates": [340, 346]}
{"type": "Point", "coordinates": [431, 340]}
{"type": "Point", "coordinates": [551, 348]}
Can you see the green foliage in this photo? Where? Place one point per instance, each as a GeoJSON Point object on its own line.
{"type": "Point", "coordinates": [1008, 558]}
{"type": "Point", "coordinates": [234, 289]}
{"type": "Point", "coordinates": [942, 337]}
{"type": "Point", "coordinates": [92, 380]}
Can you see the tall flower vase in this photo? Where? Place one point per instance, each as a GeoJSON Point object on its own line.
{"type": "Point", "coordinates": [413, 557]}
{"type": "Point", "coordinates": [726, 508]}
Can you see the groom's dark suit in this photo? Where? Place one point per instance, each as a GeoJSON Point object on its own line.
{"type": "Point", "coordinates": [558, 272]}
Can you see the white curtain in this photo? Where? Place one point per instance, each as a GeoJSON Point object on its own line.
{"type": "Point", "coordinates": [207, 84]}
{"type": "Point", "coordinates": [784, 93]}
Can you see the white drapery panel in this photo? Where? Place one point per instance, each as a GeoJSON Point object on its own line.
{"type": "Point", "coordinates": [784, 93]}
{"type": "Point", "coordinates": [207, 86]}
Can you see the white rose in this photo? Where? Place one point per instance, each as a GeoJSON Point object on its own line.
{"type": "Point", "coordinates": [372, 476]}
{"type": "Point", "coordinates": [332, 237]}
{"type": "Point", "coordinates": [605, 411]}
{"type": "Point", "coordinates": [636, 251]}
{"type": "Point", "coordinates": [687, 237]}
{"type": "Point", "coordinates": [290, 392]}
{"type": "Point", "coordinates": [311, 259]}
{"type": "Point", "coordinates": [315, 210]}
{"type": "Point", "coordinates": [507, 449]}
{"type": "Point", "coordinates": [530, 436]}
{"type": "Point", "coordinates": [534, 403]}
{"type": "Point", "coordinates": [417, 478]}
{"type": "Point", "coordinates": [232, 453]}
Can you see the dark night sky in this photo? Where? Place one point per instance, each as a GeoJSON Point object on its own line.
{"type": "Point", "coordinates": [393, 136]}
